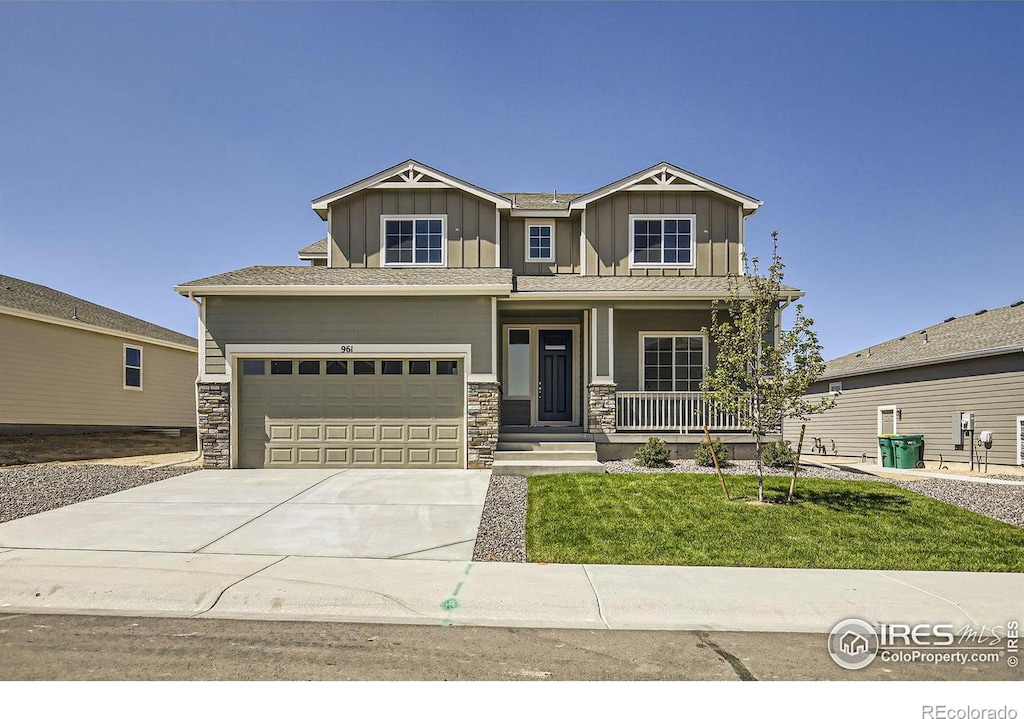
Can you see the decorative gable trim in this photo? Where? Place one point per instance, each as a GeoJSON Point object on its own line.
{"type": "Point", "coordinates": [667, 177]}
{"type": "Point", "coordinates": [408, 175]}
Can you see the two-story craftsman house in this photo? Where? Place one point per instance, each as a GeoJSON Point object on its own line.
{"type": "Point", "coordinates": [437, 316]}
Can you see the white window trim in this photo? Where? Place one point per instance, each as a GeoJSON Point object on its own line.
{"type": "Point", "coordinates": [541, 260]}
{"type": "Point", "coordinates": [383, 240]}
{"type": "Point", "coordinates": [669, 333]}
{"type": "Point", "coordinates": [895, 426]}
{"type": "Point", "coordinates": [124, 366]}
{"type": "Point", "coordinates": [680, 265]}
{"type": "Point", "coordinates": [835, 387]}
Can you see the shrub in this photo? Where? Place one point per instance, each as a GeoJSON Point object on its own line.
{"type": "Point", "coordinates": [653, 454]}
{"type": "Point", "coordinates": [777, 454]}
{"type": "Point", "coordinates": [702, 453]}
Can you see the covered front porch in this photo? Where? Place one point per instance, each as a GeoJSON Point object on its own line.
{"type": "Point", "coordinates": [607, 368]}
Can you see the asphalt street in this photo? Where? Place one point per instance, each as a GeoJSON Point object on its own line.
{"type": "Point", "coordinates": [68, 647]}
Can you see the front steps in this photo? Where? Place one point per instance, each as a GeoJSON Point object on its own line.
{"type": "Point", "coordinates": [529, 454]}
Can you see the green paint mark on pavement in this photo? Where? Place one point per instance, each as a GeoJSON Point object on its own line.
{"type": "Point", "coordinates": [449, 604]}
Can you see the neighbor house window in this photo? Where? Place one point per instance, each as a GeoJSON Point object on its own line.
{"type": "Point", "coordinates": [672, 363]}
{"type": "Point", "coordinates": [132, 367]}
{"type": "Point", "coordinates": [539, 243]}
{"type": "Point", "coordinates": [661, 240]}
{"type": "Point", "coordinates": [413, 240]}
{"type": "Point", "coordinates": [835, 387]}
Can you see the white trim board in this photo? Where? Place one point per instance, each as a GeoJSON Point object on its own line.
{"type": "Point", "coordinates": [1020, 440]}
{"type": "Point", "coordinates": [346, 290]}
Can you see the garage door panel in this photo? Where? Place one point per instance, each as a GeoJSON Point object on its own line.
{"type": "Point", "coordinates": [351, 420]}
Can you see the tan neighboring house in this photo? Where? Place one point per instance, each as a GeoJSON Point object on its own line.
{"type": "Point", "coordinates": [69, 365]}
{"type": "Point", "coordinates": [442, 324]}
{"type": "Point", "coordinates": [930, 382]}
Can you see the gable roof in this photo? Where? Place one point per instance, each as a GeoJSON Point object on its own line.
{"type": "Point", "coordinates": [987, 332]}
{"type": "Point", "coordinates": [27, 299]}
{"type": "Point", "coordinates": [304, 279]}
{"type": "Point", "coordinates": [666, 172]}
{"type": "Point", "coordinates": [411, 168]}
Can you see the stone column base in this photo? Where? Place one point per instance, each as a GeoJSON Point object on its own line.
{"type": "Point", "coordinates": [601, 408]}
{"type": "Point", "coordinates": [482, 406]}
{"type": "Point", "coordinates": [214, 404]}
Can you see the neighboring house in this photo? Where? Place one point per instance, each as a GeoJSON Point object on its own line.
{"type": "Point", "coordinates": [437, 315]}
{"type": "Point", "coordinates": [913, 385]}
{"type": "Point", "coordinates": [69, 365]}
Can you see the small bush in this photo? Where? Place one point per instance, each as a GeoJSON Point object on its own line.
{"type": "Point", "coordinates": [653, 454]}
{"type": "Point", "coordinates": [702, 453]}
{"type": "Point", "coordinates": [777, 454]}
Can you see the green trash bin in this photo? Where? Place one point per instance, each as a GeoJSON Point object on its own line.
{"type": "Point", "coordinates": [885, 443]}
{"type": "Point", "coordinates": [907, 449]}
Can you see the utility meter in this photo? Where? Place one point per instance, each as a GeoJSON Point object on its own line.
{"type": "Point", "coordinates": [967, 421]}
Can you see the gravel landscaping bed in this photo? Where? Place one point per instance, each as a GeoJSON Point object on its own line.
{"type": "Point", "coordinates": [31, 489]}
{"type": "Point", "coordinates": [502, 533]}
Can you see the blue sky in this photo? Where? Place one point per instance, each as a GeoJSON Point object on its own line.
{"type": "Point", "coordinates": [143, 145]}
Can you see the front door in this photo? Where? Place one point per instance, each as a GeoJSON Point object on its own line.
{"type": "Point", "coordinates": [554, 376]}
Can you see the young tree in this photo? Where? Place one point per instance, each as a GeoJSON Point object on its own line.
{"type": "Point", "coordinates": [760, 380]}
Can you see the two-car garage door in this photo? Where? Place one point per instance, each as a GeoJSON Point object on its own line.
{"type": "Point", "coordinates": [350, 413]}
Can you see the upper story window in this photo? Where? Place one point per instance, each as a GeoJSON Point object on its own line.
{"type": "Point", "coordinates": [132, 367]}
{"type": "Point", "coordinates": [413, 240]}
{"type": "Point", "coordinates": [540, 243]}
{"type": "Point", "coordinates": [661, 240]}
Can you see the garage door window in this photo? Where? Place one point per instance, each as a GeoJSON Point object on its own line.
{"type": "Point", "coordinates": [447, 367]}
{"type": "Point", "coordinates": [337, 366]}
{"type": "Point", "coordinates": [419, 367]}
{"type": "Point", "coordinates": [254, 367]}
{"type": "Point", "coordinates": [280, 366]}
{"type": "Point", "coordinates": [391, 367]}
{"type": "Point", "coordinates": [365, 367]}
{"type": "Point", "coordinates": [309, 367]}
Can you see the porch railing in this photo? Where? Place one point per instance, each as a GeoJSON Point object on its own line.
{"type": "Point", "coordinates": [683, 412]}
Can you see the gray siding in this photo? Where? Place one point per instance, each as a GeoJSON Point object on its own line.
{"type": "Point", "coordinates": [343, 320]}
{"type": "Point", "coordinates": [630, 323]}
{"type": "Point", "coordinates": [992, 388]}
{"type": "Point", "coordinates": [354, 225]}
{"type": "Point", "coordinates": [718, 231]}
{"type": "Point", "coordinates": [54, 375]}
{"type": "Point", "coordinates": [567, 245]}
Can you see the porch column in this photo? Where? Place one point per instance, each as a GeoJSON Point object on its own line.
{"type": "Point", "coordinates": [601, 390]}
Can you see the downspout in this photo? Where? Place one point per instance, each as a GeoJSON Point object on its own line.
{"type": "Point", "coordinates": [778, 320]}
{"type": "Point", "coordinates": [201, 367]}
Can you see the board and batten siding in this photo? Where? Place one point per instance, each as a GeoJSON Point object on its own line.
{"type": "Point", "coordinates": [566, 239]}
{"type": "Point", "coordinates": [629, 324]}
{"type": "Point", "coordinates": [56, 375]}
{"type": "Point", "coordinates": [348, 320]}
{"type": "Point", "coordinates": [718, 232]}
{"type": "Point", "coordinates": [353, 225]}
{"type": "Point", "coordinates": [926, 397]}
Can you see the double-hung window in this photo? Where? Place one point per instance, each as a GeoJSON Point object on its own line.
{"type": "Point", "coordinates": [672, 363]}
{"type": "Point", "coordinates": [132, 367]}
{"type": "Point", "coordinates": [413, 240]}
{"type": "Point", "coordinates": [661, 240]}
{"type": "Point", "coordinates": [540, 241]}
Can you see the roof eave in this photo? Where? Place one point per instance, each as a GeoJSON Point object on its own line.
{"type": "Point", "coordinates": [602, 295]}
{"type": "Point", "coordinates": [99, 329]}
{"type": "Point", "coordinates": [495, 290]}
{"type": "Point", "coordinates": [910, 364]}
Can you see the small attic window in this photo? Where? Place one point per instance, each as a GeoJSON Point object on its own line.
{"type": "Point", "coordinates": [835, 387]}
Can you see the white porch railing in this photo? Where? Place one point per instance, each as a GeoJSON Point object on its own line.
{"type": "Point", "coordinates": [683, 412]}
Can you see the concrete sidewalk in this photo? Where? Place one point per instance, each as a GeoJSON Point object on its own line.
{"type": "Point", "coordinates": [495, 594]}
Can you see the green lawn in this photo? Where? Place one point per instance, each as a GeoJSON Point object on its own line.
{"type": "Point", "coordinates": [683, 519]}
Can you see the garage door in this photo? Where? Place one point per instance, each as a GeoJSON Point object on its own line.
{"type": "Point", "coordinates": [350, 413]}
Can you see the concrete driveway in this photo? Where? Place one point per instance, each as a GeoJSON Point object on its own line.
{"type": "Point", "coordinates": [362, 513]}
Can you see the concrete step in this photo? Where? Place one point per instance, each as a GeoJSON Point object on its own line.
{"type": "Point", "coordinates": [517, 446]}
{"type": "Point", "coordinates": [535, 456]}
{"type": "Point", "coordinates": [528, 468]}
{"type": "Point", "coordinates": [574, 436]}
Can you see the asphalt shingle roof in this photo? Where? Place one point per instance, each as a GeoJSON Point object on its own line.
{"type": "Point", "coordinates": [317, 248]}
{"type": "Point", "coordinates": [41, 300]}
{"type": "Point", "coordinates": [622, 283]}
{"type": "Point", "coordinates": [987, 330]}
{"type": "Point", "coordinates": [273, 275]}
{"type": "Point", "coordinates": [540, 200]}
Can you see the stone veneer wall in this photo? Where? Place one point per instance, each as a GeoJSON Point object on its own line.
{"type": "Point", "coordinates": [482, 407]}
{"type": "Point", "coordinates": [215, 423]}
{"type": "Point", "coordinates": [601, 408]}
